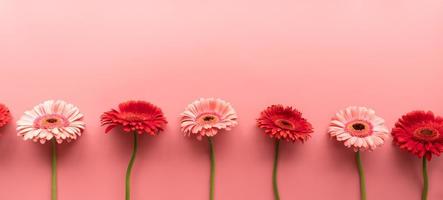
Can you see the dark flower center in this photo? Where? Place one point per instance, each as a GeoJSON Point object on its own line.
{"type": "Point", "coordinates": [52, 120]}
{"type": "Point", "coordinates": [359, 126]}
{"type": "Point", "coordinates": [426, 134]}
{"type": "Point", "coordinates": [284, 124]}
{"type": "Point", "coordinates": [208, 118]}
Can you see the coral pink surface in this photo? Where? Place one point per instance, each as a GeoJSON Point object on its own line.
{"type": "Point", "coordinates": [317, 55]}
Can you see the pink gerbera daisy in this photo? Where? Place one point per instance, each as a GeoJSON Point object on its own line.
{"type": "Point", "coordinates": [206, 117]}
{"type": "Point", "coordinates": [51, 120]}
{"type": "Point", "coordinates": [359, 128]}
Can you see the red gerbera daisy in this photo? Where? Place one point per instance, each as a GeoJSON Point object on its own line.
{"type": "Point", "coordinates": [284, 123]}
{"type": "Point", "coordinates": [420, 133]}
{"type": "Point", "coordinates": [5, 116]}
{"type": "Point", "coordinates": [135, 116]}
{"type": "Point", "coordinates": [138, 117]}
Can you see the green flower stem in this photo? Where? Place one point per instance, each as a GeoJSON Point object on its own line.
{"type": "Point", "coordinates": [274, 173]}
{"type": "Point", "coordinates": [54, 171]}
{"type": "Point", "coordinates": [424, 195]}
{"type": "Point", "coordinates": [212, 176]}
{"type": "Point", "coordinates": [129, 170]}
{"type": "Point", "coordinates": [362, 176]}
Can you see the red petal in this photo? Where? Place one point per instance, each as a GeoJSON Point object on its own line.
{"type": "Point", "coordinates": [109, 128]}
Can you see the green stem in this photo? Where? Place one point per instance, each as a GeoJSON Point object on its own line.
{"type": "Point", "coordinates": [362, 176]}
{"type": "Point", "coordinates": [129, 170]}
{"type": "Point", "coordinates": [212, 176]}
{"type": "Point", "coordinates": [54, 171]}
{"type": "Point", "coordinates": [424, 195]}
{"type": "Point", "coordinates": [274, 173]}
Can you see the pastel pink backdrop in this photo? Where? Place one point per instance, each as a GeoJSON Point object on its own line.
{"type": "Point", "coordinates": [319, 56]}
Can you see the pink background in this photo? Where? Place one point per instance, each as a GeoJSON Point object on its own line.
{"type": "Point", "coordinates": [317, 55]}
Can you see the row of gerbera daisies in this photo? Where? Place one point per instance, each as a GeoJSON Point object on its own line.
{"type": "Point", "coordinates": [359, 128]}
